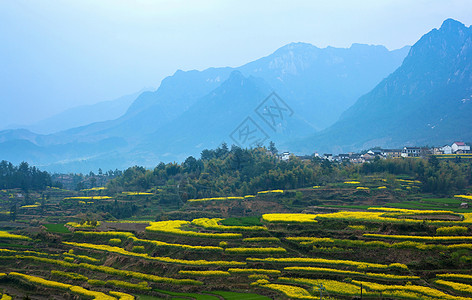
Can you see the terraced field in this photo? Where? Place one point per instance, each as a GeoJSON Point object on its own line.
{"type": "Point", "coordinates": [379, 252]}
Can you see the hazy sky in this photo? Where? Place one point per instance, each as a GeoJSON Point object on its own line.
{"type": "Point", "coordinates": [59, 54]}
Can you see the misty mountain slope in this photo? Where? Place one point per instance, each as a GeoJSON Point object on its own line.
{"type": "Point", "coordinates": [214, 118]}
{"type": "Point", "coordinates": [322, 83]}
{"type": "Point", "coordinates": [154, 109]}
{"type": "Point", "coordinates": [84, 115]}
{"type": "Point", "coordinates": [428, 100]}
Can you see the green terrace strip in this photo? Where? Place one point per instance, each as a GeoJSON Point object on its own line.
{"type": "Point", "coordinates": [400, 289]}
{"type": "Point", "coordinates": [88, 198]}
{"type": "Point", "coordinates": [107, 270]}
{"type": "Point", "coordinates": [121, 296]}
{"type": "Point", "coordinates": [255, 250]}
{"type": "Point", "coordinates": [215, 199]}
{"type": "Point", "coordinates": [130, 221]}
{"type": "Point", "coordinates": [412, 211]}
{"type": "Point", "coordinates": [290, 218]}
{"type": "Point", "coordinates": [213, 224]}
{"type": "Point", "coordinates": [87, 224]}
{"type": "Point", "coordinates": [293, 292]}
{"type": "Point", "coordinates": [82, 257]}
{"type": "Point", "coordinates": [306, 260]}
{"type": "Point", "coordinates": [271, 192]}
{"type": "Point", "coordinates": [350, 273]}
{"type": "Point", "coordinates": [12, 252]}
{"type": "Point", "coordinates": [467, 277]}
{"type": "Point", "coordinates": [179, 246]}
{"type": "Point", "coordinates": [459, 287]}
{"type": "Point", "coordinates": [371, 289]}
{"type": "Point", "coordinates": [331, 286]}
{"type": "Point", "coordinates": [451, 230]}
{"type": "Point", "coordinates": [173, 227]}
{"type": "Point", "coordinates": [58, 285]}
{"type": "Point", "coordinates": [204, 273]}
{"type": "Point", "coordinates": [122, 251]}
{"type": "Point", "coordinates": [309, 241]}
{"type": "Point", "coordinates": [142, 286]}
{"type": "Point", "coordinates": [382, 217]}
{"type": "Point", "coordinates": [70, 275]}
{"type": "Point", "coordinates": [137, 194]}
{"type": "Point", "coordinates": [183, 296]}
{"type": "Point", "coordinates": [254, 271]}
{"type": "Point", "coordinates": [258, 276]}
{"type": "Point", "coordinates": [117, 234]}
{"type": "Point", "coordinates": [239, 296]}
{"type": "Point", "coordinates": [419, 238]}
{"type": "Point", "coordinates": [7, 235]}
{"type": "Point", "coordinates": [262, 239]}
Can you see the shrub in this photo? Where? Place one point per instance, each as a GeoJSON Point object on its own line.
{"type": "Point", "coordinates": [138, 249]}
{"type": "Point", "coordinates": [357, 227]}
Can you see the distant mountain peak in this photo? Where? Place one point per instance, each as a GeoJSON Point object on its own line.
{"type": "Point", "coordinates": [451, 25]}
{"type": "Point", "coordinates": [235, 78]}
{"type": "Point", "coordinates": [357, 46]}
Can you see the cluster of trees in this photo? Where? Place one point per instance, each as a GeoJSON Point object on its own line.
{"type": "Point", "coordinates": [118, 210]}
{"type": "Point", "coordinates": [437, 176]}
{"type": "Point", "coordinates": [23, 176]}
{"type": "Point", "coordinates": [225, 172]}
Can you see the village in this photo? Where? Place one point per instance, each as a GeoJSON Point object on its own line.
{"type": "Point", "coordinates": [455, 150]}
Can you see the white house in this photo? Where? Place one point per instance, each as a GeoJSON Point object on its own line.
{"type": "Point", "coordinates": [411, 152]}
{"type": "Point", "coordinates": [446, 149]}
{"type": "Point", "coordinates": [285, 156]}
{"type": "Point", "coordinates": [460, 146]}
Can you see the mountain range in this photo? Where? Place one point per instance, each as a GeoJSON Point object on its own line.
{"type": "Point", "coordinates": [302, 97]}
{"type": "Point", "coordinates": [426, 101]}
{"type": "Point", "coordinates": [194, 110]}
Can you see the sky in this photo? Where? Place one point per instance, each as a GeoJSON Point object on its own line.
{"type": "Point", "coordinates": [58, 54]}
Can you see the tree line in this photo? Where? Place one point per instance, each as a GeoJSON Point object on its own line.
{"type": "Point", "coordinates": [23, 176]}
